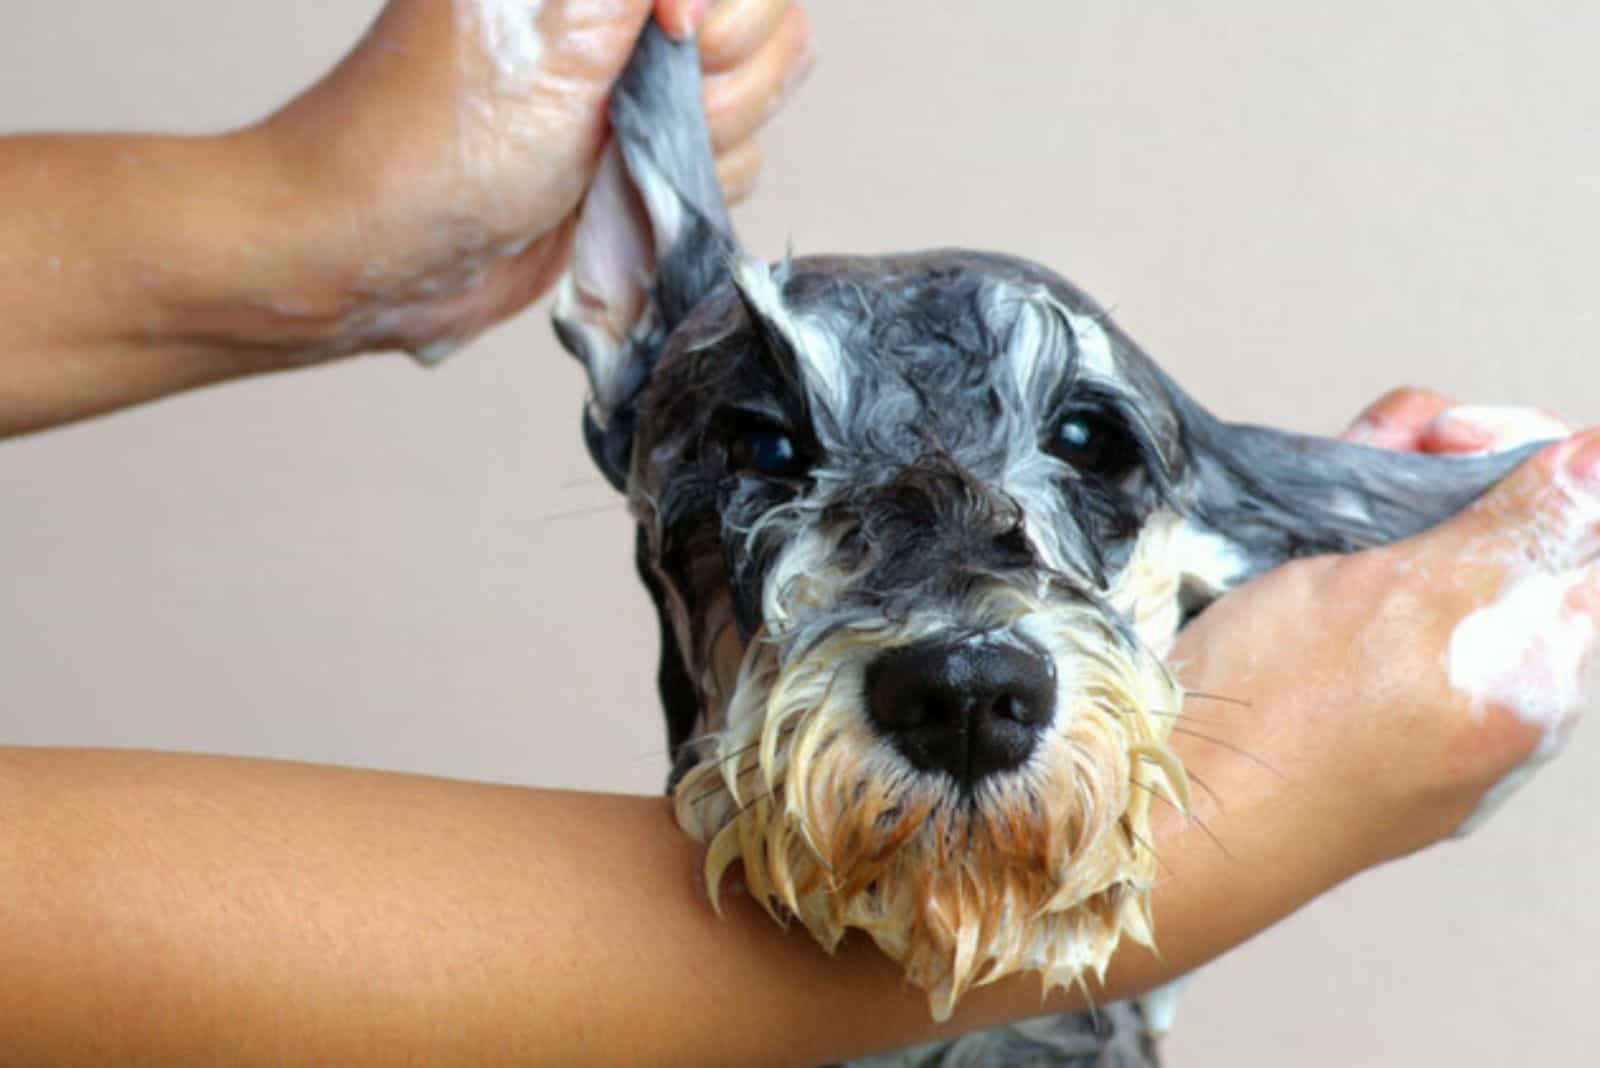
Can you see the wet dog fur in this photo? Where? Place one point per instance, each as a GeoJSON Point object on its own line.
{"type": "Point", "coordinates": [920, 530]}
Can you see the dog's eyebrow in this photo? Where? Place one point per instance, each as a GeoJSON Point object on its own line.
{"type": "Point", "coordinates": [761, 411]}
{"type": "Point", "coordinates": [818, 357]}
{"type": "Point", "coordinates": [1047, 342]}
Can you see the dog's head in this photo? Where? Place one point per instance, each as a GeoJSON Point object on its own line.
{"type": "Point", "coordinates": [920, 530]}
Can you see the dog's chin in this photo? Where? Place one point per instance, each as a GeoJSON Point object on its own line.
{"type": "Point", "coordinates": [1044, 868]}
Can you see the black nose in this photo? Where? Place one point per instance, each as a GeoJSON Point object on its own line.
{"type": "Point", "coordinates": [968, 708]}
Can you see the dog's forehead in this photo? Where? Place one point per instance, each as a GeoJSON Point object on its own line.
{"type": "Point", "coordinates": [943, 338]}
{"type": "Point", "coordinates": [916, 314]}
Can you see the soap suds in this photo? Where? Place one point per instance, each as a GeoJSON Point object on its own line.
{"type": "Point", "coordinates": [1531, 651]}
{"type": "Point", "coordinates": [1525, 652]}
{"type": "Point", "coordinates": [509, 33]}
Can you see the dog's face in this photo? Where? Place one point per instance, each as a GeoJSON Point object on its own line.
{"type": "Point", "coordinates": [912, 522]}
{"type": "Point", "coordinates": [920, 530]}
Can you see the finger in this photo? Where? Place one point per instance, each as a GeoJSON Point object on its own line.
{"type": "Point", "coordinates": [1471, 428]}
{"type": "Point", "coordinates": [680, 17]}
{"type": "Point", "coordinates": [738, 170]}
{"type": "Point", "coordinates": [735, 29]}
{"type": "Point", "coordinates": [739, 101]}
{"type": "Point", "coordinates": [1545, 515]}
{"type": "Point", "coordinates": [1396, 419]}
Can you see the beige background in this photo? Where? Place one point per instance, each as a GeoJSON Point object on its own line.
{"type": "Point", "coordinates": [1294, 206]}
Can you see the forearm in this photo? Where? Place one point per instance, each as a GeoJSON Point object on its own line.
{"type": "Point", "coordinates": [421, 192]}
{"type": "Point", "coordinates": [186, 910]}
{"type": "Point", "coordinates": [136, 266]}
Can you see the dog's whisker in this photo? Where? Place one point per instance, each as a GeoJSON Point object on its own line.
{"type": "Point", "coordinates": [1189, 816]}
{"type": "Point", "coordinates": [1209, 833]}
{"type": "Point", "coordinates": [1207, 790]}
{"type": "Point", "coordinates": [596, 509]}
{"type": "Point", "coordinates": [740, 751]}
{"type": "Point", "coordinates": [1180, 716]}
{"type": "Point", "coordinates": [752, 803]}
{"type": "Point", "coordinates": [784, 732]}
{"type": "Point", "coordinates": [1225, 744]}
{"type": "Point", "coordinates": [721, 790]}
{"type": "Point", "coordinates": [722, 787]}
{"type": "Point", "coordinates": [1148, 848]}
{"type": "Point", "coordinates": [724, 756]}
{"type": "Point", "coordinates": [1199, 695]}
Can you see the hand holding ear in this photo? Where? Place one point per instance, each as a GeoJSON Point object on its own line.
{"type": "Point", "coordinates": [1378, 702]}
{"type": "Point", "coordinates": [438, 169]}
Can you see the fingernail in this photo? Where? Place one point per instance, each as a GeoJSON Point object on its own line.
{"type": "Point", "coordinates": [693, 15]}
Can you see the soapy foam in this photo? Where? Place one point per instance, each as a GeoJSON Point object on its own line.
{"type": "Point", "coordinates": [509, 32]}
{"type": "Point", "coordinates": [1531, 650]}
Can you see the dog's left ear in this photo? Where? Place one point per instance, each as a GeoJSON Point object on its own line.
{"type": "Point", "coordinates": [1272, 495]}
{"type": "Point", "coordinates": [653, 238]}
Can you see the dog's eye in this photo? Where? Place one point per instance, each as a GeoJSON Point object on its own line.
{"type": "Point", "coordinates": [768, 451]}
{"type": "Point", "coordinates": [1095, 445]}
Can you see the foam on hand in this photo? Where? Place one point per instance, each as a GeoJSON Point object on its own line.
{"type": "Point", "coordinates": [1531, 650]}
{"type": "Point", "coordinates": [509, 32]}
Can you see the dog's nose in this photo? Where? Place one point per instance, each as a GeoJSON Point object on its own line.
{"type": "Point", "coordinates": [968, 708]}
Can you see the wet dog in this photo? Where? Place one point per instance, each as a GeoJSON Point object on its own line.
{"type": "Point", "coordinates": [920, 530]}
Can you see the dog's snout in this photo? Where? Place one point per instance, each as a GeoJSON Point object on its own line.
{"type": "Point", "coordinates": [969, 708]}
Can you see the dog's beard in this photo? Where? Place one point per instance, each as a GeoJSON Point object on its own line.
{"type": "Point", "coordinates": [1044, 868]}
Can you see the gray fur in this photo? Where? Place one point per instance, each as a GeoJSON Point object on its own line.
{"type": "Point", "coordinates": [1114, 1037]}
{"type": "Point", "coordinates": [933, 466]}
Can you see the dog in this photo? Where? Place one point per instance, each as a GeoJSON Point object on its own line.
{"type": "Point", "coordinates": [920, 530]}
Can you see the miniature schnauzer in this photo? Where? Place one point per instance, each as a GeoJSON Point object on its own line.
{"type": "Point", "coordinates": [920, 530]}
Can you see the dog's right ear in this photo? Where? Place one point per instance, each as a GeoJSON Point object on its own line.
{"type": "Point", "coordinates": [653, 239]}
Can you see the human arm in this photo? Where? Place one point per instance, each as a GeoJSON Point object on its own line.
{"type": "Point", "coordinates": [422, 191]}
{"type": "Point", "coordinates": [187, 908]}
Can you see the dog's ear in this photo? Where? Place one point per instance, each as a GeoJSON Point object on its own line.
{"type": "Point", "coordinates": [1272, 495]}
{"type": "Point", "coordinates": [653, 238]}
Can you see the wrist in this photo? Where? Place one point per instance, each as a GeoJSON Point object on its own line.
{"type": "Point", "coordinates": [241, 233]}
{"type": "Point", "coordinates": [138, 266]}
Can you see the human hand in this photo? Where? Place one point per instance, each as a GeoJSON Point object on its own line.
{"type": "Point", "coordinates": [1419, 420]}
{"type": "Point", "coordinates": [441, 164]}
{"type": "Point", "coordinates": [1438, 670]}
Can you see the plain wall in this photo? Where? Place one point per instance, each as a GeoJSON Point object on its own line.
{"type": "Point", "coordinates": [1293, 206]}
